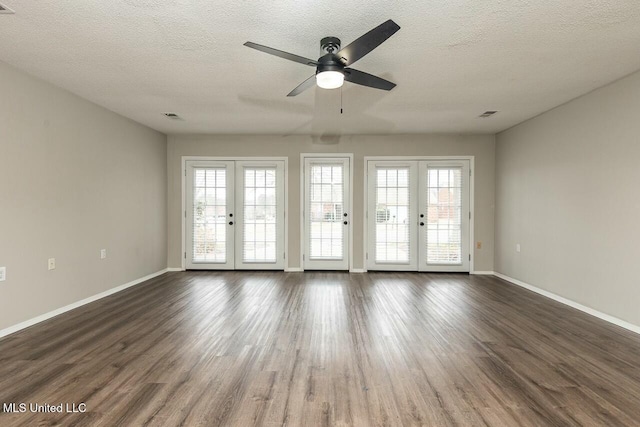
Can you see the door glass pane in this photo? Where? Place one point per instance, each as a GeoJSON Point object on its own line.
{"type": "Point", "coordinates": [260, 224]}
{"type": "Point", "coordinates": [392, 215]}
{"type": "Point", "coordinates": [209, 215]}
{"type": "Point", "coordinates": [326, 195]}
{"type": "Point", "coordinates": [444, 215]}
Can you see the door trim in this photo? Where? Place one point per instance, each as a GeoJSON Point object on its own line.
{"type": "Point", "coordinates": [183, 189]}
{"type": "Point", "coordinates": [365, 227]}
{"type": "Point", "coordinates": [303, 243]}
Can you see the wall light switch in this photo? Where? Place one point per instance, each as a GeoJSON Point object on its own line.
{"type": "Point", "coordinates": [52, 263]}
{"type": "Point", "coordinates": [103, 253]}
{"type": "Point", "coordinates": [3, 274]}
{"type": "Point", "coordinates": [517, 247]}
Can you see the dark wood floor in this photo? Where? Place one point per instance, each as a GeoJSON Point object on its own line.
{"type": "Point", "coordinates": [324, 349]}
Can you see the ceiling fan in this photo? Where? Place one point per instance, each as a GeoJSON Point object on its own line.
{"type": "Point", "coordinates": [332, 68]}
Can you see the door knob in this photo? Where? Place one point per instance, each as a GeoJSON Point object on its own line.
{"type": "Point", "coordinates": [230, 222]}
{"type": "Point", "coordinates": [345, 223]}
{"type": "Point", "coordinates": [421, 224]}
{"type": "Point", "coordinates": [345, 214]}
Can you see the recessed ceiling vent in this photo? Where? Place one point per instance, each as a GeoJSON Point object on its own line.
{"type": "Point", "coordinates": [487, 114]}
{"type": "Point", "coordinates": [173, 116]}
{"type": "Point", "coordinates": [6, 10]}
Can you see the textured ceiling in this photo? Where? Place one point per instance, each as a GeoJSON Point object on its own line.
{"type": "Point", "coordinates": [452, 60]}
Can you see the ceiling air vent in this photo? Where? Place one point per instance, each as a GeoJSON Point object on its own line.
{"type": "Point", "coordinates": [6, 10]}
{"type": "Point", "coordinates": [487, 114]}
{"type": "Point", "coordinates": [173, 116]}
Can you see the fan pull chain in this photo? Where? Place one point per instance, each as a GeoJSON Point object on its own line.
{"type": "Point", "coordinates": [340, 99]}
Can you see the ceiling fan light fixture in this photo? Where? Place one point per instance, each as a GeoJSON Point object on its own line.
{"type": "Point", "coordinates": [330, 79]}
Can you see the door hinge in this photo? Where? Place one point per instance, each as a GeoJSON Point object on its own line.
{"type": "Point", "coordinates": [303, 257]}
{"type": "Point", "coordinates": [185, 255]}
{"type": "Point", "coordinates": [469, 172]}
{"type": "Point", "coordinates": [367, 255]}
{"type": "Point", "coordinates": [185, 172]}
{"type": "Point", "coordinates": [469, 257]}
{"type": "Point", "coordinates": [469, 215]}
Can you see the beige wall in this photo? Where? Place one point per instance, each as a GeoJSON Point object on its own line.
{"type": "Point", "coordinates": [74, 178]}
{"type": "Point", "coordinates": [480, 146]}
{"type": "Point", "coordinates": [567, 191]}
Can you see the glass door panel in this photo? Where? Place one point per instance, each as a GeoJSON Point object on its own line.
{"type": "Point", "coordinates": [209, 238]}
{"type": "Point", "coordinates": [260, 215]}
{"type": "Point", "coordinates": [444, 231]}
{"type": "Point", "coordinates": [418, 215]}
{"type": "Point", "coordinates": [326, 214]}
{"type": "Point", "coordinates": [235, 215]}
{"type": "Point", "coordinates": [392, 210]}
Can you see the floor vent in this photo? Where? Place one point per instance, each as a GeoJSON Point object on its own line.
{"type": "Point", "coordinates": [487, 114]}
{"type": "Point", "coordinates": [6, 10]}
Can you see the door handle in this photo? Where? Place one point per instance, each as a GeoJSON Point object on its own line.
{"type": "Point", "coordinates": [230, 222]}
{"type": "Point", "coordinates": [421, 224]}
{"type": "Point", "coordinates": [345, 223]}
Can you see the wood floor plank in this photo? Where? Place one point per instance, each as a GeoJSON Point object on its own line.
{"type": "Point", "coordinates": [324, 349]}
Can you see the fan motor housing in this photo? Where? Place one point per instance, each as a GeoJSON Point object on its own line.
{"type": "Point", "coordinates": [329, 61]}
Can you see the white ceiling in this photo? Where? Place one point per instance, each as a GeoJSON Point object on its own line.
{"type": "Point", "coordinates": [452, 60]}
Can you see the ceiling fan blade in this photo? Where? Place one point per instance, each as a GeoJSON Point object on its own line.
{"type": "Point", "coordinates": [366, 43]}
{"type": "Point", "coordinates": [366, 79]}
{"type": "Point", "coordinates": [310, 82]}
{"type": "Point", "coordinates": [281, 54]}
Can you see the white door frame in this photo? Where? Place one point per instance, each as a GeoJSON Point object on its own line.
{"type": "Point", "coordinates": [303, 240]}
{"type": "Point", "coordinates": [183, 209]}
{"type": "Point", "coordinates": [365, 227]}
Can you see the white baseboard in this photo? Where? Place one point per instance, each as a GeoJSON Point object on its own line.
{"type": "Point", "coordinates": [49, 315]}
{"type": "Point", "coordinates": [293, 269]}
{"type": "Point", "coordinates": [483, 273]}
{"type": "Point", "coordinates": [606, 317]}
{"type": "Point", "coordinates": [175, 269]}
{"type": "Point", "coordinates": [357, 270]}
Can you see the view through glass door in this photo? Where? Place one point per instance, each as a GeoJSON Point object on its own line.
{"type": "Point", "coordinates": [234, 215]}
{"type": "Point", "coordinates": [418, 215]}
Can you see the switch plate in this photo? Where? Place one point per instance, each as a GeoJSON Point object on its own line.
{"type": "Point", "coordinates": [103, 253]}
{"type": "Point", "coordinates": [52, 264]}
{"type": "Point", "coordinates": [517, 247]}
{"type": "Point", "coordinates": [3, 274]}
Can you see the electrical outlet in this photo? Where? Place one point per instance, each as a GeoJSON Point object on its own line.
{"type": "Point", "coordinates": [3, 274]}
{"type": "Point", "coordinates": [517, 247]}
{"type": "Point", "coordinates": [52, 263]}
{"type": "Point", "coordinates": [103, 253]}
{"type": "Point", "coordinates": [478, 245]}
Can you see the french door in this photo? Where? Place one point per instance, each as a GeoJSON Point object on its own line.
{"type": "Point", "coordinates": [327, 215]}
{"type": "Point", "coordinates": [418, 215]}
{"type": "Point", "coordinates": [234, 215]}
